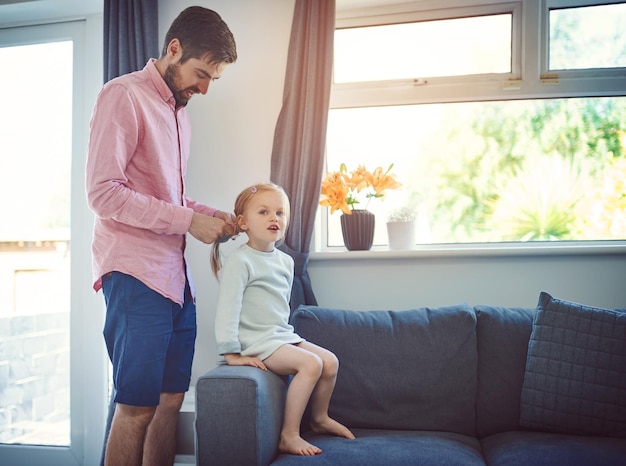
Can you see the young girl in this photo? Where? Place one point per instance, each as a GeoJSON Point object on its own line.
{"type": "Point", "coordinates": [251, 324]}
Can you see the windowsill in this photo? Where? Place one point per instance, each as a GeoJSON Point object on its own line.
{"type": "Point", "coordinates": [574, 248]}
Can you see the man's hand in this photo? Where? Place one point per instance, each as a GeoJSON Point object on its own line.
{"type": "Point", "coordinates": [236, 359]}
{"type": "Point", "coordinates": [209, 229]}
{"type": "Point", "coordinates": [228, 218]}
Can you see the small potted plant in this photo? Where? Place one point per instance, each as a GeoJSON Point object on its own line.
{"type": "Point", "coordinates": [401, 227]}
{"type": "Point", "coordinates": [346, 191]}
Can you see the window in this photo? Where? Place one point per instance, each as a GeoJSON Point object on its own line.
{"type": "Point", "coordinates": [579, 37]}
{"type": "Point", "coordinates": [504, 124]}
{"type": "Point", "coordinates": [424, 49]}
{"type": "Point", "coordinates": [35, 241]}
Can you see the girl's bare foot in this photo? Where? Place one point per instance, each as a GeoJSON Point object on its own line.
{"type": "Point", "coordinates": [332, 427]}
{"type": "Point", "coordinates": [296, 445]}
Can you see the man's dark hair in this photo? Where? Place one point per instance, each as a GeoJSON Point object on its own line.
{"type": "Point", "coordinates": [203, 34]}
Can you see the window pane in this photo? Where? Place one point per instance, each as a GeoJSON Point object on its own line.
{"type": "Point", "coordinates": [35, 156]}
{"type": "Point", "coordinates": [451, 47]}
{"type": "Point", "coordinates": [493, 171]}
{"type": "Point", "coordinates": [588, 37]}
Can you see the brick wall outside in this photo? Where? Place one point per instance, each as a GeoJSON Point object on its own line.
{"type": "Point", "coordinates": [34, 345]}
{"type": "Point", "coordinates": [34, 377]}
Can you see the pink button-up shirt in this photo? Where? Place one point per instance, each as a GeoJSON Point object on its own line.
{"type": "Point", "coordinates": [138, 151]}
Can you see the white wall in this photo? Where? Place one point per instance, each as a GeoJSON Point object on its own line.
{"type": "Point", "coordinates": [432, 279]}
{"type": "Point", "coordinates": [233, 128]}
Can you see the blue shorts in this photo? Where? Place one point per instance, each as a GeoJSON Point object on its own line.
{"type": "Point", "coordinates": [150, 340]}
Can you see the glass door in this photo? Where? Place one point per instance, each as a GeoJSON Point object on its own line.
{"type": "Point", "coordinates": [35, 243]}
{"type": "Point", "coordinates": [44, 255]}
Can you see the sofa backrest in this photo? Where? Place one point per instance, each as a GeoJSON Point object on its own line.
{"type": "Point", "coordinates": [412, 369]}
{"type": "Point", "coordinates": [502, 337]}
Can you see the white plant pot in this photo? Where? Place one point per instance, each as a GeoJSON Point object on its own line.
{"type": "Point", "coordinates": [401, 235]}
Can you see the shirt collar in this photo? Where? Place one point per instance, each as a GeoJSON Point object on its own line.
{"type": "Point", "coordinates": [159, 83]}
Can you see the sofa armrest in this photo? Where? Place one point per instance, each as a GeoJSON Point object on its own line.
{"type": "Point", "coordinates": [239, 415]}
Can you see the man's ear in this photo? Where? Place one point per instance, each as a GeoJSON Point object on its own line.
{"type": "Point", "coordinates": [174, 49]}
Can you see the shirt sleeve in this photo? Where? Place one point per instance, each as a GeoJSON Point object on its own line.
{"type": "Point", "coordinates": [113, 141]}
{"type": "Point", "coordinates": [200, 208]}
{"type": "Point", "coordinates": [233, 281]}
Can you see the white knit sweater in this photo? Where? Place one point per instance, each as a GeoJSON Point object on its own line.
{"type": "Point", "coordinates": [253, 305]}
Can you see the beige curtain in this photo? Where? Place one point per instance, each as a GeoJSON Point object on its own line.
{"type": "Point", "coordinates": [300, 136]}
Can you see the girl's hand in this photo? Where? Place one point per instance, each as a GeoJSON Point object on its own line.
{"type": "Point", "coordinates": [235, 359]}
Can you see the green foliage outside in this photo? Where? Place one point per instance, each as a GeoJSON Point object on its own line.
{"type": "Point", "coordinates": [530, 171]}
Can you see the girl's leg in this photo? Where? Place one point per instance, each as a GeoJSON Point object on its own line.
{"type": "Point", "coordinates": [306, 368]}
{"type": "Point", "coordinates": [321, 423]}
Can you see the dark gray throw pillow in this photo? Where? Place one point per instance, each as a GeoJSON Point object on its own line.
{"type": "Point", "coordinates": [575, 377]}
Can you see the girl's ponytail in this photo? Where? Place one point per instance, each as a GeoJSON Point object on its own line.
{"type": "Point", "coordinates": [216, 261]}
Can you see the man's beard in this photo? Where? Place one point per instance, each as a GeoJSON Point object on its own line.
{"type": "Point", "coordinates": [171, 77]}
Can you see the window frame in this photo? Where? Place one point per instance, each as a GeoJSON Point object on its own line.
{"type": "Point", "coordinates": [530, 78]}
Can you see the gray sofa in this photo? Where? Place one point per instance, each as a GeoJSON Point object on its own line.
{"type": "Point", "coordinates": [455, 385]}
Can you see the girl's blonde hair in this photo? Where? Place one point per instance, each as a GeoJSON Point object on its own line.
{"type": "Point", "coordinates": [240, 205]}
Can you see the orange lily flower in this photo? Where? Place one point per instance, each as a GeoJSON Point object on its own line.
{"type": "Point", "coordinates": [340, 189]}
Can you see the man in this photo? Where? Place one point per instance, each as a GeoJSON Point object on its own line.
{"type": "Point", "coordinates": [138, 149]}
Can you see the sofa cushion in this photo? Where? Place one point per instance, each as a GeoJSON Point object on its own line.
{"type": "Point", "coordinates": [575, 379]}
{"type": "Point", "coordinates": [413, 369]}
{"type": "Point", "coordinates": [391, 448]}
{"type": "Point", "coordinates": [502, 334]}
{"type": "Point", "coordinates": [550, 449]}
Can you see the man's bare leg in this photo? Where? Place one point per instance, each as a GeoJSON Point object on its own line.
{"type": "Point", "coordinates": [127, 435]}
{"type": "Point", "coordinates": [160, 444]}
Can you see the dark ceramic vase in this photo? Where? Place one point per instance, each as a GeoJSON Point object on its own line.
{"type": "Point", "coordinates": [358, 230]}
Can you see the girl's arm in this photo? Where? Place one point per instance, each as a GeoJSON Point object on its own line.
{"type": "Point", "coordinates": [233, 282]}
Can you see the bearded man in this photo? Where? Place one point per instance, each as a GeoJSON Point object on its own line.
{"type": "Point", "coordinates": [138, 149]}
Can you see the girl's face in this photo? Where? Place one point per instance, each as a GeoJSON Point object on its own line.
{"type": "Point", "coordinates": [264, 220]}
